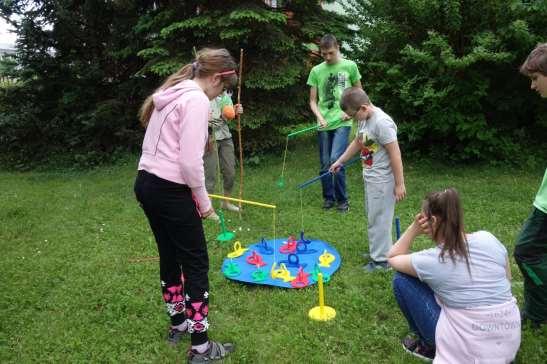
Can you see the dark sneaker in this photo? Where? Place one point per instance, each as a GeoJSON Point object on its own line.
{"type": "Point", "coordinates": [343, 207]}
{"type": "Point", "coordinates": [174, 336]}
{"type": "Point", "coordinates": [328, 204]}
{"type": "Point", "coordinates": [418, 348]}
{"type": "Point", "coordinates": [215, 351]}
{"type": "Point", "coordinates": [374, 266]}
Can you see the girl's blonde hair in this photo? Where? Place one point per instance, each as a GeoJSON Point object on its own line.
{"type": "Point", "coordinates": [208, 62]}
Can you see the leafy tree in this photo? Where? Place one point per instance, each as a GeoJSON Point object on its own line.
{"type": "Point", "coordinates": [78, 88]}
{"type": "Point", "coordinates": [277, 58]}
{"type": "Point", "coordinates": [86, 66]}
{"type": "Point", "coordinates": [448, 71]}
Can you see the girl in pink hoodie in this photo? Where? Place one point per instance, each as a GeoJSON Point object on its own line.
{"type": "Point", "coordinates": [456, 296]}
{"type": "Point", "coordinates": [170, 187]}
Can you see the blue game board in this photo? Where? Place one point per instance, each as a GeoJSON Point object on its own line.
{"type": "Point", "coordinates": [306, 256]}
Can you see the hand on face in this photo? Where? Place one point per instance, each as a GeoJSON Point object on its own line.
{"type": "Point", "coordinates": [422, 223]}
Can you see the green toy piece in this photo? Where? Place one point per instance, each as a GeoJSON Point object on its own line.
{"type": "Point", "coordinates": [259, 275]}
{"type": "Point", "coordinates": [232, 270]}
{"type": "Point", "coordinates": [225, 235]}
{"type": "Point", "coordinates": [315, 274]}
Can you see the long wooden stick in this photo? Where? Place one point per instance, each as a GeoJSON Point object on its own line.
{"type": "Point", "coordinates": [239, 127]}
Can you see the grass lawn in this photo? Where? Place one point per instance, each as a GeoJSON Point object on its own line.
{"type": "Point", "coordinates": [72, 290]}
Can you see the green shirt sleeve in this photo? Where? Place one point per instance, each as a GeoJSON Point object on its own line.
{"type": "Point", "coordinates": [354, 74]}
{"type": "Point", "coordinates": [312, 78]}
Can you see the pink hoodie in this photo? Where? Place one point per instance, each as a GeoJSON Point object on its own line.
{"type": "Point", "coordinates": [176, 136]}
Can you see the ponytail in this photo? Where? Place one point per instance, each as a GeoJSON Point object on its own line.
{"type": "Point", "coordinates": [446, 207]}
{"type": "Point", "coordinates": [208, 62]}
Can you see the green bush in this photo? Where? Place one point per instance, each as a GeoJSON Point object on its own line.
{"type": "Point", "coordinates": [447, 70]}
{"type": "Point", "coordinates": [85, 75]}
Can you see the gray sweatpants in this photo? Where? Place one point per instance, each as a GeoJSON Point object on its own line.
{"type": "Point", "coordinates": [379, 208]}
{"type": "Point", "coordinates": [222, 150]}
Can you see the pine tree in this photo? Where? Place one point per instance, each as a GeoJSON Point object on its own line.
{"type": "Point", "coordinates": [277, 58]}
{"type": "Point", "coordinates": [86, 66]}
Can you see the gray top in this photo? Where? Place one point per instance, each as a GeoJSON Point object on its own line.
{"type": "Point", "coordinates": [488, 284]}
{"type": "Point", "coordinates": [374, 133]}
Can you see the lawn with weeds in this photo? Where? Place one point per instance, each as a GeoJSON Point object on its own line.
{"type": "Point", "coordinates": [80, 283]}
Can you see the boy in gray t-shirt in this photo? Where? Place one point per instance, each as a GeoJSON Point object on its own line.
{"type": "Point", "coordinates": [376, 139]}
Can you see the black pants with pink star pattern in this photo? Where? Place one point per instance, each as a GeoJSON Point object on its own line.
{"type": "Point", "coordinates": [184, 261]}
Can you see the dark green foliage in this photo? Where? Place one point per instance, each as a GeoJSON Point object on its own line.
{"type": "Point", "coordinates": [86, 66]}
{"type": "Point", "coordinates": [276, 59]}
{"type": "Point", "coordinates": [447, 70]}
{"type": "Point", "coordinates": [77, 92]}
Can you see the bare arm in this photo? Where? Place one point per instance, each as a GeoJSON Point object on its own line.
{"type": "Point", "coordinates": [353, 147]}
{"type": "Point", "coordinates": [398, 255]}
{"type": "Point", "coordinates": [358, 84]}
{"type": "Point", "coordinates": [315, 108]}
{"type": "Point", "coordinates": [403, 264]}
{"type": "Point", "coordinates": [397, 167]}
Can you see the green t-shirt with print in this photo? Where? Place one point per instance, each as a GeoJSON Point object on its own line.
{"type": "Point", "coordinates": [331, 80]}
{"type": "Point", "coordinates": [541, 198]}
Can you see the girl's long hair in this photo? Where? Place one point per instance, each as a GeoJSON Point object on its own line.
{"type": "Point", "coordinates": [446, 207]}
{"type": "Point", "coordinates": [208, 62]}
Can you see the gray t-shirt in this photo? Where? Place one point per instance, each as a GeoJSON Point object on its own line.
{"type": "Point", "coordinates": [374, 133]}
{"type": "Point", "coordinates": [488, 284]}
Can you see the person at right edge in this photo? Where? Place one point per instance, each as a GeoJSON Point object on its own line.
{"type": "Point", "coordinates": [531, 246]}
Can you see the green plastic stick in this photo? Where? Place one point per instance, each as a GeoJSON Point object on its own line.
{"type": "Point", "coordinates": [303, 131]}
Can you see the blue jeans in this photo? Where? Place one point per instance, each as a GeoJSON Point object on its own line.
{"type": "Point", "coordinates": [332, 144]}
{"type": "Point", "coordinates": [418, 305]}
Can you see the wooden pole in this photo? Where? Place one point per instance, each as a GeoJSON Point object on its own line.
{"type": "Point", "coordinates": [239, 126]}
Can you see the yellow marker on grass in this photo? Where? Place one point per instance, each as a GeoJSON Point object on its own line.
{"type": "Point", "coordinates": [321, 312]}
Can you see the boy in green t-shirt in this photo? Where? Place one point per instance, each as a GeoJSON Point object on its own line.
{"type": "Point", "coordinates": [327, 81]}
{"type": "Point", "coordinates": [531, 246]}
